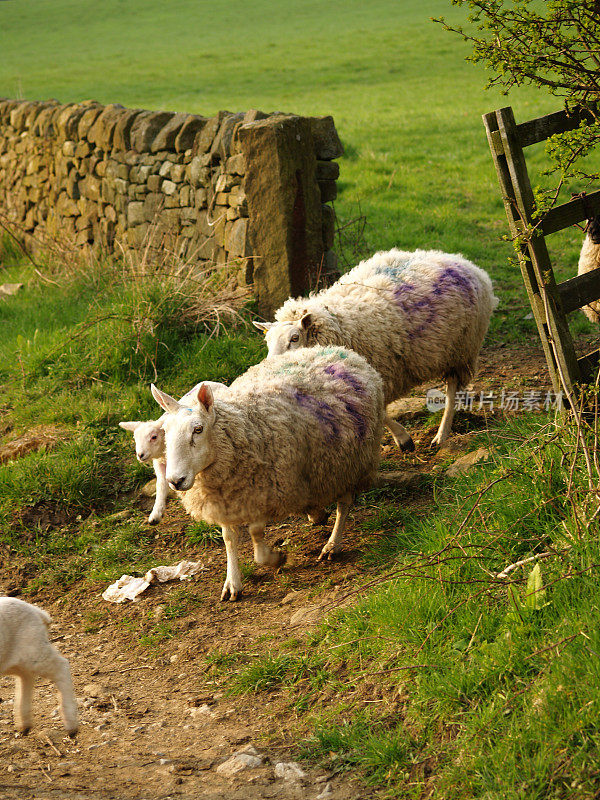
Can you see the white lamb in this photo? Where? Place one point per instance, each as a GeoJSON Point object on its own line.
{"type": "Point", "coordinates": [149, 441]}
{"type": "Point", "coordinates": [589, 259]}
{"type": "Point", "coordinates": [414, 316]}
{"type": "Point", "coordinates": [26, 652]}
{"type": "Point", "coordinates": [294, 434]}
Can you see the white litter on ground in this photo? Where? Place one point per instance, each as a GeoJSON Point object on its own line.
{"type": "Point", "coordinates": [129, 588]}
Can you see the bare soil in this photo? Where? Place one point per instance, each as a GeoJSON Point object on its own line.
{"type": "Point", "coordinates": [155, 718]}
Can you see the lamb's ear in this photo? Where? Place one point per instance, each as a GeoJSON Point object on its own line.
{"type": "Point", "coordinates": [165, 400]}
{"type": "Point", "coordinates": [205, 396]}
{"type": "Point", "coordinates": [130, 426]}
{"type": "Point", "coordinates": [263, 326]}
{"type": "Point", "coordinates": [306, 321]}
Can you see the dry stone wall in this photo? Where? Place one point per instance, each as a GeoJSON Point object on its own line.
{"type": "Point", "coordinates": [251, 188]}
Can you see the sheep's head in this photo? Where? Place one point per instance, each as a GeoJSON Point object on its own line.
{"type": "Point", "coordinates": [149, 439]}
{"type": "Point", "coordinates": [284, 336]}
{"type": "Point", "coordinates": [187, 436]}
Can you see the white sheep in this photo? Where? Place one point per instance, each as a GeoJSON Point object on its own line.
{"type": "Point", "coordinates": [415, 316]}
{"type": "Point", "coordinates": [295, 433]}
{"type": "Point", "coordinates": [26, 652]}
{"type": "Point", "coordinates": [149, 441]}
{"type": "Point", "coordinates": [589, 259]}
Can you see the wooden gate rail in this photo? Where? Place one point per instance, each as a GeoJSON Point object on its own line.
{"type": "Point", "coordinates": [550, 301]}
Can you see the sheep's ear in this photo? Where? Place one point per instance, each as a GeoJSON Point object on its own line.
{"type": "Point", "coordinates": [130, 426]}
{"type": "Point", "coordinates": [205, 396]}
{"type": "Point", "coordinates": [306, 321]}
{"type": "Point", "coordinates": [165, 400]}
{"type": "Point", "coordinates": [263, 326]}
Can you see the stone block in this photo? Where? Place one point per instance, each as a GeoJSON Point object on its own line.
{"type": "Point", "coordinates": [154, 182]}
{"type": "Point", "coordinates": [328, 190]}
{"type": "Point", "coordinates": [177, 172]}
{"type": "Point", "coordinates": [122, 131]}
{"type": "Point", "coordinates": [87, 119]}
{"type": "Point", "coordinates": [221, 146]}
{"type": "Point", "coordinates": [236, 165]}
{"type": "Point", "coordinates": [189, 130]}
{"type": "Point", "coordinates": [153, 203]}
{"type": "Point", "coordinates": [136, 213]}
{"type": "Point", "coordinates": [328, 226]}
{"type": "Point", "coordinates": [146, 127]}
{"type": "Point", "coordinates": [102, 131]}
{"type": "Point", "coordinates": [204, 138]}
{"type": "Point", "coordinates": [235, 237]}
{"type": "Point", "coordinates": [165, 169]}
{"type": "Point", "coordinates": [165, 138]}
{"type": "Point", "coordinates": [325, 137]}
{"type": "Point", "coordinates": [168, 187]}
{"type": "Point", "coordinates": [328, 170]}
{"type": "Point", "coordinates": [284, 206]}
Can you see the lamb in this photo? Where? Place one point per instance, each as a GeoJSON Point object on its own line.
{"type": "Point", "coordinates": [26, 652]}
{"type": "Point", "coordinates": [415, 316]}
{"type": "Point", "coordinates": [149, 440]}
{"type": "Point", "coordinates": [589, 259]}
{"type": "Point", "coordinates": [295, 433]}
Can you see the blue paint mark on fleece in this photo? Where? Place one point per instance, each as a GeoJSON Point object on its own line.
{"type": "Point", "coordinates": [321, 410]}
{"type": "Point", "coordinates": [337, 371]}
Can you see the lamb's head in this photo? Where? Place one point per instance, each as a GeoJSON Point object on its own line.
{"type": "Point", "coordinates": [149, 438]}
{"type": "Point", "coordinates": [593, 229]}
{"type": "Point", "coordinates": [288, 334]}
{"type": "Point", "coordinates": [188, 439]}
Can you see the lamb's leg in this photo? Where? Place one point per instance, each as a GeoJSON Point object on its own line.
{"type": "Point", "coordinates": [162, 492]}
{"type": "Point", "coordinates": [334, 543]}
{"type": "Point", "coordinates": [262, 552]}
{"type": "Point", "coordinates": [448, 415]}
{"type": "Point", "coordinates": [233, 582]}
{"type": "Point", "coordinates": [23, 693]}
{"type": "Point", "coordinates": [400, 435]}
{"type": "Point", "coordinates": [59, 673]}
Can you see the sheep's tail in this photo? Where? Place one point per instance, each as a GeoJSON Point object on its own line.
{"type": "Point", "coordinates": [46, 618]}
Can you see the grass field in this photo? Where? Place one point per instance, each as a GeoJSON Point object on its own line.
{"type": "Point", "coordinates": [500, 694]}
{"type": "Point", "coordinates": [407, 105]}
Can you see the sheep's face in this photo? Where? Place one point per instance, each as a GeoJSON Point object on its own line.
{"type": "Point", "coordinates": [284, 336]}
{"type": "Point", "coordinates": [149, 439]}
{"type": "Point", "coordinates": [187, 437]}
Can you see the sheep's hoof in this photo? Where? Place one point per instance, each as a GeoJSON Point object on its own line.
{"type": "Point", "coordinates": [328, 552]}
{"type": "Point", "coordinates": [408, 446]}
{"type": "Point", "coordinates": [319, 517]}
{"type": "Point", "coordinates": [154, 520]}
{"type": "Point", "coordinates": [229, 593]}
{"type": "Point", "coordinates": [281, 559]}
{"type": "Point", "coordinates": [72, 732]}
{"type": "Point", "coordinates": [24, 729]}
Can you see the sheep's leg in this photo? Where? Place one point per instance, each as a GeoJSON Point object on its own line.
{"type": "Point", "coordinates": [23, 693]}
{"type": "Point", "coordinates": [60, 674]}
{"type": "Point", "coordinates": [318, 516]}
{"type": "Point", "coordinates": [162, 492]}
{"type": "Point", "coordinates": [263, 554]}
{"type": "Point", "coordinates": [448, 415]}
{"type": "Point", "coordinates": [334, 543]}
{"type": "Point", "coordinates": [233, 582]}
{"type": "Point", "coordinates": [400, 435]}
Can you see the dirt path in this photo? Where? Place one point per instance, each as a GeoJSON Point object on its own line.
{"type": "Point", "coordinates": [155, 722]}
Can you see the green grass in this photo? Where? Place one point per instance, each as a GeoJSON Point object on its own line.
{"type": "Point", "coordinates": [407, 105]}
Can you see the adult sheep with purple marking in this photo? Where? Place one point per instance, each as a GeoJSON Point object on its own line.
{"type": "Point", "coordinates": [589, 259]}
{"type": "Point", "coordinates": [415, 316]}
{"type": "Point", "coordinates": [294, 434]}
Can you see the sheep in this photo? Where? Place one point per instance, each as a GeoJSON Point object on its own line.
{"type": "Point", "coordinates": [589, 259]}
{"type": "Point", "coordinates": [26, 652]}
{"type": "Point", "coordinates": [414, 316]}
{"type": "Point", "coordinates": [149, 440]}
{"type": "Point", "coordinates": [296, 433]}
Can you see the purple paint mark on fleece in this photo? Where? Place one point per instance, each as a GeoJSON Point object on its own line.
{"type": "Point", "coordinates": [321, 410]}
{"type": "Point", "coordinates": [450, 279]}
{"type": "Point", "coordinates": [337, 371]}
{"type": "Point", "coordinates": [357, 417]}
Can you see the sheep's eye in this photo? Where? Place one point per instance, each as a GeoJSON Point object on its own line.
{"type": "Point", "coordinates": [295, 338]}
{"type": "Point", "coordinates": [153, 437]}
{"type": "Point", "coordinates": [198, 429]}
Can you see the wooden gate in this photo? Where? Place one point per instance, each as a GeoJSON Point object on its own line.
{"type": "Point", "coordinates": [550, 301]}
